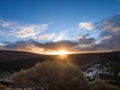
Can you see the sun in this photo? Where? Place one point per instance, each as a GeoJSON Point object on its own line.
{"type": "Point", "coordinates": [61, 52]}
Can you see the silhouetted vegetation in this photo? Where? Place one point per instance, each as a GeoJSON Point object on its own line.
{"type": "Point", "coordinates": [55, 75]}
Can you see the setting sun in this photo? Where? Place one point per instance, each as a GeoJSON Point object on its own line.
{"type": "Point", "coordinates": [60, 52]}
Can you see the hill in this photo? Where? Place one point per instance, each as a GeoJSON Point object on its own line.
{"type": "Point", "coordinates": [16, 60]}
{"type": "Point", "coordinates": [103, 65]}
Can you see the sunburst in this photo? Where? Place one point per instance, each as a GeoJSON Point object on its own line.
{"type": "Point", "coordinates": [61, 52]}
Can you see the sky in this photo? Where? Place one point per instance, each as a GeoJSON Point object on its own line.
{"type": "Point", "coordinates": [47, 25]}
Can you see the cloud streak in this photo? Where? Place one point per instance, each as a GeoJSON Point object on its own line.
{"type": "Point", "coordinates": [86, 25]}
{"type": "Point", "coordinates": [61, 36]}
{"type": "Point", "coordinates": [48, 36]}
{"type": "Point", "coordinates": [30, 31]}
{"type": "Point", "coordinates": [22, 31]}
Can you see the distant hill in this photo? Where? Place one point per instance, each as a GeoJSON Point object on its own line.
{"type": "Point", "coordinates": [16, 60]}
{"type": "Point", "coordinates": [17, 55]}
{"type": "Point", "coordinates": [88, 59]}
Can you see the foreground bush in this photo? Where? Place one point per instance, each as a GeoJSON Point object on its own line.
{"type": "Point", "coordinates": [54, 75]}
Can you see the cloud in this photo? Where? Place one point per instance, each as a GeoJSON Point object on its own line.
{"type": "Point", "coordinates": [30, 31]}
{"type": "Point", "coordinates": [55, 37]}
{"type": "Point", "coordinates": [2, 33]}
{"type": "Point", "coordinates": [36, 47]}
{"type": "Point", "coordinates": [22, 31]}
{"type": "Point", "coordinates": [61, 36]}
{"type": "Point", "coordinates": [107, 40]}
{"type": "Point", "coordinates": [109, 36]}
{"type": "Point", "coordinates": [2, 48]}
{"type": "Point", "coordinates": [85, 40]}
{"type": "Point", "coordinates": [6, 24]}
{"type": "Point", "coordinates": [112, 24]}
{"type": "Point", "coordinates": [65, 44]}
{"type": "Point", "coordinates": [111, 33]}
{"type": "Point", "coordinates": [86, 25]}
{"type": "Point", "coordinates": [85, 43]}
{"type": "Point", "coordinates": [48, 36]}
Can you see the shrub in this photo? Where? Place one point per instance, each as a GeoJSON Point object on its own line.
{"type": "Point", "coordinates": [102, 85]}
{"type": "Point", "coordinates": [52, 75]}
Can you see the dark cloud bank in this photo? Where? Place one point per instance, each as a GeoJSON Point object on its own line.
{"type": "Point", "coordinates": [109, 39]}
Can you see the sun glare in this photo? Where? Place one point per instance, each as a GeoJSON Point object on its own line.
{"type": "Point", "coordinates": [60, 52]}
